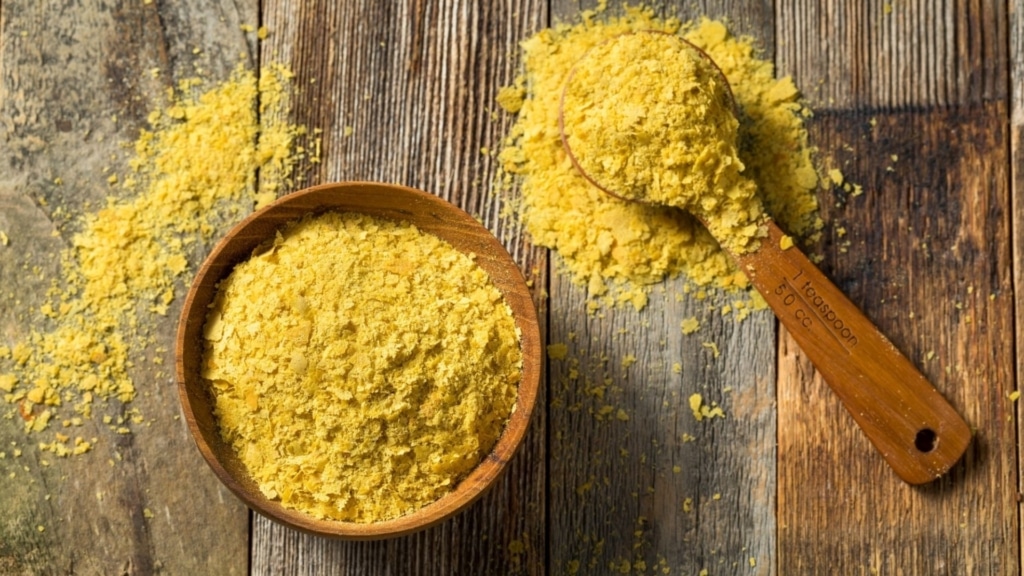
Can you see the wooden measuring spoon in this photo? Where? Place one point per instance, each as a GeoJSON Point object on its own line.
{"type": "Point", "coordinates": [916, 430]}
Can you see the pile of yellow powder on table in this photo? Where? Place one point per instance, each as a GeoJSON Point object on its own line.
{"type": "Point", "coordinates": [130, 258]}
{"type": "Point", "coordinates": [359, 367]}
{"type": "Point", "coordinates": [619, 248]}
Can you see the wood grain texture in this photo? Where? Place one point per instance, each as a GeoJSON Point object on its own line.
{"type": "Point", "coordinates": [918, 117]}
{"type": "Point", "coordinates": [1016, 71]}
{"type": "Point", "coordinates": [636, 480]}
{"type": "Point", "coordinates": [894, 54]}
{"type": "Point", "coordinates": [404, 93]}
{"type": "Point", "coordinates": [66, 70]}
{"type": "Point", "coordinates": [651, 488]}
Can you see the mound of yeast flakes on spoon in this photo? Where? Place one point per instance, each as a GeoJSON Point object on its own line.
{"type": "Point", "coordinates": [650, 119]}
{"type": "Point", "coordinates": [618, 249]}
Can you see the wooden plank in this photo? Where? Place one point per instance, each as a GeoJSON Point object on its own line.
{"type": "Point", "coordinates": [66, 69]}
{"type": "Point", "coordinates": [1016, 61]}
{"type": "Point", "coordinates": [913, 106]}
{"type": "Point", "coordinates": [661, 490]}
{"type": "Point", "coordinates": [404, 93]}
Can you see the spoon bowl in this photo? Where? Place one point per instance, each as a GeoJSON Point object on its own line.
{"type": "Point", "coordinates": [563, 135]}
{"type": "Point", "coordinates": [431, 215]}
{"type": "Point", "coordinates": [918, 433]}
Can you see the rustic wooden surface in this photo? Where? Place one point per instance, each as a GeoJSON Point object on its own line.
{"type": "Point", "coordinates": [66, 69]}
{"type": "Point", "coordinates": [927, 254]}
{"type": "Point", "coordinates": [785, 484]}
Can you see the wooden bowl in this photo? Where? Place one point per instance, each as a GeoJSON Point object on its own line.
{"type": "Point", "coordinates": [430, 214]}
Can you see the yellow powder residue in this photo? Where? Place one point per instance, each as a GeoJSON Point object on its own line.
{"type": "Point", "coordinates": [836, 176]}
{"type": "Point", "coordinates": [359, 367]}
{"type": "Point", "coordinates": [702, 411]}
{"type": "Point", "coordinates": [191, 172]}
{"type": "Point", "coordinates": [690, 325]}
{"type": "Point", "coordinates": [713, 347]}
{"type": "Point", "coordinates": [610, 245]}
{"type": "Point", "coordinates": [557, 351]}
{"type": "Point", "coordinates": [510, 98]}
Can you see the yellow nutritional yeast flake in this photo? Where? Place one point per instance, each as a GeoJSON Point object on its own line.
{"type": "Point", "coordinates": [615, 247]}
{"type": "Point", "coordinates": [129, 258]}
{"type": "Point", "coordinates": [359, 367]}
{"type": "Point", "coordinates": [702, 411]}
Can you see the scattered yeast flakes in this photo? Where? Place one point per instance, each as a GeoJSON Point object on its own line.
{"type": "Point", "coordinates": [130, 257]}
{"type": "Point", "coordinates": [836, 176]}
{"type": "Point", "coordinates": [557, 351]}
{"type": "Point", "coordinates": [510, 98]}
{"type": "Point", "coordinates": [690, 325]}
{"type": "Point", "coordinates": [610, 245]}
{"type": "Point", "coordinates": [702, 411]}
{"type": "Point", "coordinates": [396, 369]}
{"type": "Point", "coordinates": [713, 347]}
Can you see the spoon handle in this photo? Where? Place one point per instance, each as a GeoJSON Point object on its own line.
{"type": "Point", "coordinates": [917, 431]}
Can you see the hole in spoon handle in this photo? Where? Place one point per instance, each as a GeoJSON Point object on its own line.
{"type": "Point", "coordinates": [916, 430]}
{"type": "Point", "coordinates": [925, 440]}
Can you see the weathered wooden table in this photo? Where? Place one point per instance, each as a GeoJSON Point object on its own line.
{"type": "Point", "coordinates": [786, 484]}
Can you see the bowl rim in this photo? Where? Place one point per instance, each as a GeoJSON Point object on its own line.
{"type": "Point", "coordinates": [389, 201]}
